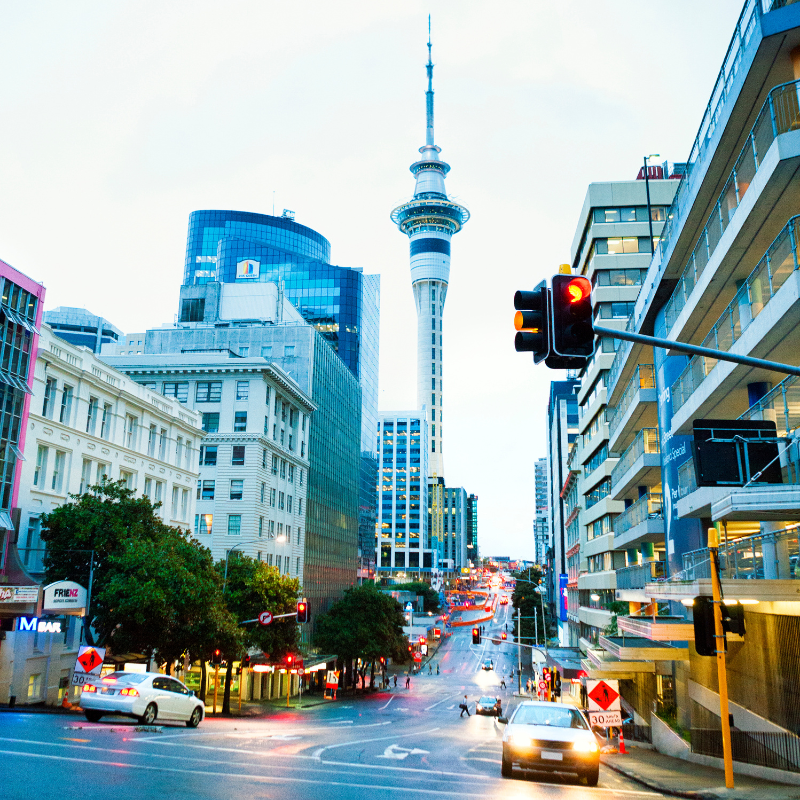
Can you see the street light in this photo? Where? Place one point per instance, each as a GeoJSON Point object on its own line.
{"type": "Point", "coordinates": [227, 554]}
{"type": "Point", "coordinates": [647, 192]}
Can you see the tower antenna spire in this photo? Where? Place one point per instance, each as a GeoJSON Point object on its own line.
{"type": "Point", "coordinates": [429, 93]}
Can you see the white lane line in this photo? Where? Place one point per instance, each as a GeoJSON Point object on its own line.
{"type": "Point", "coordinates": [318, 753]}
{"type": "Point", "coordinates": [387, 704]}
{"type": "Point", "coordinates": [487, 760]}
{"type": "Point", "coordinates": [449, 697]}
{"type": "Point", "coordinates": [450, 708]}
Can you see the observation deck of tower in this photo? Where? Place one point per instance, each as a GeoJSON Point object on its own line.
{"type": "Point", "coordinates": [429, 220]}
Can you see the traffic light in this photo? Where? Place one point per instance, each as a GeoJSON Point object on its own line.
{"type": "Point", "coordinates": [288, 660]}
{"type": "Point", "coordinates": [504, 636]}
{"type": "Point", "coordinates": [216, 657]}
{"type": "Point", "coordinates": [476, 636]}
{"type": "Point", "coordinates": [704, 634]}
{"type": "Point", "coordinates": [532, 322]}
{"type": "Point", "coordinates": [572, 334]}
{"type": "Point", "coordinates": [556, 683]}
{"type": "Point", "coordinates": [302, 611]}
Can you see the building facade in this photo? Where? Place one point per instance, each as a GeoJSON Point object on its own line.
{"type": "Point", "coordinates": [404, 546]}
{"type": "Point", "coordinates": [473, 551]}
{"type": "Point", "coordinates": [88, 422]}
{"type": "Point", "coordinates": [430, 220]}
{"type": "Point", "coordinates": [541, 527]}
{"type": "Point", "coordinates": [80, 327]}
{"type": "Point", "coordinates": [454, 528]}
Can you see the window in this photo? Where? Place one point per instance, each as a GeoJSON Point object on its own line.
{"type": "Point", "coordinates": [34, 686]}
{"type": "Point", "coordinates": [40, 471]}
{"type": "Point", "coordinates": [91, 415]}
{"type": "Point", "coordinates": [301, 477]}
{"type": "Point", "coordinates": [274, 433]}
{"type": "Point", "coordinates": [263, 491]}
{"type": "Point", "coordinates": [304, 421]}
{"type": "Point", "coordinates": [188, 451]}
{"type": "Point", "coordinates": [266, 352]}
{"type": "Point", "coordinates": [272, 493]}
{"type": "Point", "coordinates": [159, 491]}
{"type": "Point", "coordinates": [148, 487]}
{"type": "Point", "coordinates": [86, 475]}
{"type": "Point", "coordinates": [127, 479]}
{"type": "Point", "coordinates": [289, 503]}
{"type": "Point", "coordinates": [175, 498]}
{"type": "Point", "coordinates": [274, 465]}
{"type": "Point", "coordinates": [178, 450]}
{"type": "Point", "coordinates": [281, 500]}
{"type": "Point", "coordinates": [284, 407]}
{"type": "Point", "coordinates": [280, 532]}
{"type": "Point", "coordinates": [131, 423]}
{"type": "Point", "coordinates": [433, 366]}
{"type": "Point", "coordinates": [261, 526]}
{"type": "Point", "coordinates": [291, 473]}
{"type": "Point", "coordinates": [237, 455]}
{"type": "Point", "coordinates": [242, 390]}
{"type": "Point", "coordinates": [177, 389]}
{"type": "Point", "coordinates": [234, 524]}
{"type": "Point", "coordinates": [152, 436]}
{"type": "Point", "coordinates": [283, 469]}
{"type": "Point", "coordinates": [202, 524]}
{"type": "Point", "coordinates": [184, 504]}
{"type": "Point", "coordinates": [302, 449]}
{"type": "Point", "coordinates": [48, 407]}
{"type": "Point", "coordinates": [205, 490]}
{"type": "Point", "coordinates": [237, 489]}
{"type": "Point", "coordinates": [300, 506]}
{"type": "Point", "coordinates": [162, 444]}
{"type": "Point", "coordinates": [192, 310]}
{"type": "Point", "coordinates": [208, 455]}
{"type": "Point", "coordinates": [297, 569]}
{"type": "Point", "coordinates": [272, 529]}
{"type": "Point", "coordinates": [283, 436]}
{"type": "Point", "coordinates": [208, 391]}
{"type": "Point", "coordinates": [244, 351]}
{"type": "Point", "coordinates": [289, 534]}
{"type": "Point", "coordinates": [102, 472]}
{"type": "Point", "coordinates": [291, 442]}
{"type": "Point", "coordinates": [59, 463]}
{"type": "Point", "coordinates": [288, 350]}
{"type": "Point", "coordinates": [614, 310]}
{"type": "Point", "coordinates": [105, 423]}
{"type": "Point", "coordinates": [210, 422]}
{"type": "Point", "coordinates": [240, 421]}
{"type": "Point", "coordinates": [433, 384]}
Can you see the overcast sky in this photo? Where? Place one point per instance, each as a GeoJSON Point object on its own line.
{"type": "Point", "coordinates": [118, 119]}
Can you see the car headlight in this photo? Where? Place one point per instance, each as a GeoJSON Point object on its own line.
{"type": "Point", "coordinates": [585, 746]}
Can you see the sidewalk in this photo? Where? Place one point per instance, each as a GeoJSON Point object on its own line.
{"type": "Point", "coordinates": [679, 778]}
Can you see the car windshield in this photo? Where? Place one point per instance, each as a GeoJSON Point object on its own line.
{"type": "Point", "coordinates": [554, 716]}
{"type": "Point", "coordinates": [487, 701]}
{"type": "Point", "coordinates": [126, 677]}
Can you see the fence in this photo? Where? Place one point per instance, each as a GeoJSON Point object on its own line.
{"type": "Point", "coordinates": [639, 575]}
{"type": "Point", "coordinates": [646, 441]}
{"type": "Point", "coordinates": [637, 733]}
{"type": "Point", "coordinates": [765, 749]}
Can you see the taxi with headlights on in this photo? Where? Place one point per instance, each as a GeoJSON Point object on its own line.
{"type": "Point", "coordinates": [552, 737]}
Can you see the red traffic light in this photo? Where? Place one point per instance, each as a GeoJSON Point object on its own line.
{"type": "Point", "coordinates": [504, 635]}
{"type": "Point", "coordinates": [290, 659]}
{"type": "Point", "coordinates": [577, 289]}
{"type": "Point", "coordinates": [302, 611]}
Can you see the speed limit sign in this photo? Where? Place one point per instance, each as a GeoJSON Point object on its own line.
{"type": "Point", "coordinates": [265, 617]}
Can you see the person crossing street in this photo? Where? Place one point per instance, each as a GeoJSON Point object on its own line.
{"type": "Point", "coordinates": [464, 707]}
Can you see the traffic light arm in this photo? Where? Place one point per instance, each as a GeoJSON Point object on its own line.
{"type": "Point", "coordinates": [695, 350]}
{"type": "Point", "coordinates": [274, 616]}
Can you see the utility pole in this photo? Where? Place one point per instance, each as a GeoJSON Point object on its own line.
{"type": "Point", "coordinates": [519, 649]}
{"type": "Point", "coordinates": [722, 672]}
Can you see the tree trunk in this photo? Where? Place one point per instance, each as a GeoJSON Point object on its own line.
{"type": "Point", "coordinates": [226, 697]}
{"type": "Point", "coordinates": [372, 676]}
{"type": "Point", "coordinates": [203, 678]}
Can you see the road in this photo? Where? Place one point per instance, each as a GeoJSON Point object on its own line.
{"type": "Point", "coordinates": [411, 741]}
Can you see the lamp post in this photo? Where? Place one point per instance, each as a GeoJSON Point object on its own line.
{"type": "Point", "coordinates": [647, 192]}
{"type": "Point", "coordinates": [227, 555]}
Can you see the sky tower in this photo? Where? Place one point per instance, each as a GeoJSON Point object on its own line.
{"type": "Point", "coordinates": [429, 220]}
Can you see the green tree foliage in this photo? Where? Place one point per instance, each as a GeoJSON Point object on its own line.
{"type": "Point", "coordinates": [365, 624]}
{"type": "Point", "coordinates": [528, 602]}
{"type": "Point", "coordinates": [430, 597]}
{"type": "Point", "coordinates": [154, 589]}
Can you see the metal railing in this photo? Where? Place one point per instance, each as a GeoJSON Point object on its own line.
{"type": "Point", "coordinates": [639, 575]}
{"type": "Point", "coordinates": [643, 378]}
{"type": "Point", "coordinates": [764, 556]}
{"type": "Point", "coordinates": [761, 285]}
{"type": "Point", "coordinates": [779, 114]}
{"type": "Point", "coordinates": [646, 441]}
{"type": "Point", "coordinates": [649, 506]}
{"type": "Point", "coordinates": [779, 750]}
{"type": "Point", "coordinates": [699, 154]}
{"type": "Point", "coordinates": [637, 733]}
{"type": "Point", "coordinates": [781, 405]}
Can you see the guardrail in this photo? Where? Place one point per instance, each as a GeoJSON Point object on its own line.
{"type": "Point", "coordinates": [778, 750]}
{"type": "Point", "coordinates": [781, 405]}
{"type": "Point", "coordinates": [643, 378]}
{"type": "Point", "coordinates": [639, 575]}
{"type": "Point", "coordinates": [648, 506]}
{"type": "Point", "coordinates": [646, 441]}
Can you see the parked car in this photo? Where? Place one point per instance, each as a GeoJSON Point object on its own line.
{"type": "Point", "coordinates": [551, 737]}
{"type": "Point", "coordinates": [489, 705]}
{"type": "Point", "coordinates": [145, 696]}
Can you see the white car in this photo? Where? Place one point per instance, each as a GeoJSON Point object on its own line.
{"type": "Point", "coordinates": [146, 696]}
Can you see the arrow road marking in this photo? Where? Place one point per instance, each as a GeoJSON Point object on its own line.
{"type": "Point", "coordinates": [398, 753]}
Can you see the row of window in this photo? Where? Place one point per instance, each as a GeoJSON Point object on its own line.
{"type": "Point", "coordinates": [618, 277]}
{"type": "Point", "coordinates": [204, 526]}
{"type": "Point", "coordinates": [629, 214]}
{"type": "Point", "coordinates": [620, 245]}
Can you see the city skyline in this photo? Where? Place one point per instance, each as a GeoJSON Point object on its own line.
{"type": "Point", "coordinates": [128, 140]}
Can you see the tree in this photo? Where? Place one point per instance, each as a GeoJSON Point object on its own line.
{"type": "Point", "coordinates": [430, 597]}
{"type": "Point", "coordinates": [253, 587]}
{"type": "Point", "coordinates": [153, 590]}
{"type": "Point", "coordinates": [366, 623]}
{"type": "Point", "coordinates": [528, 602]}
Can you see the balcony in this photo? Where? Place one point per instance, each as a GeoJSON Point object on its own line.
{"type": "Point", "coordinates": [635, 409]}
{"type": "Point", "coordinates": [778, 269]}
{"type": "Point", "coordinates": [639, 465]}
{"type": "Point", "coordinates": [641, 522]}
{"type": "Point", "coordinates": [781, 405]}
{"type": "Point", "coordinates": [638, 576]}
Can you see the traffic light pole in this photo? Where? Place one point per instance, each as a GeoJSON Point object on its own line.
{"type": "Point", "coordinates": [722, 672]}
{"type": "Point", "coordinates": [695, 350]}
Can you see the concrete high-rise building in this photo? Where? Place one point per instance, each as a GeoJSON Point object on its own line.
{"type": "Point", "coordinates": [430, 220]}
{"type": "Point", "coordinates": [80, 327]}
{"type": "Point", "coordinates": [454, 529]}
{"type": "Point", "coordinates": [541, 527]}
{"type": "Point", "coordinates": [472, 528]}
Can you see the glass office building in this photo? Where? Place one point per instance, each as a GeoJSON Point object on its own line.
{"type": "Point", "coordinates": [80, 327]}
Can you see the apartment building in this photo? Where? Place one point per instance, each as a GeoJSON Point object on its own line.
{"type": "Point", "coordinates": [724, 274]}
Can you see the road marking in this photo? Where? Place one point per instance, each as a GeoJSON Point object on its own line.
{"type": "Point", "coordinates": [477, 758]}
{"type": "Point", "coordinates": [387, 704]}
{"type": "Point", "coordinates": [317, 753]}
{"type": "Point", "coordinates": [449, 697]}
{"type": "Point", "coordinates": [394, 751]}
{"type": "Point", "coordinates": [450, 708]}
{"type": "Point", "coordinates": [343, 722]}
{"type": "Point", "coordinates": [70, 739]}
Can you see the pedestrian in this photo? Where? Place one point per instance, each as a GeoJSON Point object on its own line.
{"type": "Point", "coordinates": [437, 669]}
{"type": "Point", "coordinates": [395, 681]}
{"type": "Point", "coordinates": [408, 681]}
{"type": "Point", "coordinates": [464, 707]}
{"type": "Point", "coordinates": [503, 682]}
{"type": "Point", "coordinates": [430, 669]}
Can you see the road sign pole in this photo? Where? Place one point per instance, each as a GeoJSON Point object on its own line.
{"type": "Point", "coordinates": [288, 684]}
{"type": "Point", "coordinates": [216, 683]}
{"type": "Point", "coordinates": [722, 673]}
{"type": "Point", "coordinates": [519, 649]}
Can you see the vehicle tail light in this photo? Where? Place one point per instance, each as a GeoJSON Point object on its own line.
{"type": "Point", "coordinates": [88, 687]}
{"type": "Point", "coordinates": [130, 692]}
{"type": "Point", "coordinates": [109, 680]}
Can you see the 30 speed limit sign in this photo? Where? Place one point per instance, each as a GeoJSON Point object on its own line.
{"type": "Point", "coordinates": [605, 719]}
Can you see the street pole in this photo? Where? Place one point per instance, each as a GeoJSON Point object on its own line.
{"type": "Point", "coordinates": [288, 685]}
{"type": "Point", "coordinates": [722, 674]}
{"type": "Point", "coordinates": [519, 649]}
{"type": "Point", "coordinates": [216, 684]}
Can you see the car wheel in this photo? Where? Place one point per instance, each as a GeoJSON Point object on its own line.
{"type": "Point", "coordinates": [150, 714]}
{"type": "Point", "coordinates": [592, 776]}
{"type": "Point", "coordinates": [194, 720]}
{"type": "Point", "coordinates": [506, 768]}
{"type": "Point", "coordinates": [93, 716]}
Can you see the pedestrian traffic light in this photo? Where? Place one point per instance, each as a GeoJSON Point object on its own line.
{"type": "Point", "coordinates": [216, 657]}
{"type": "Point", "coordinates": [476, 636]}
{"type": "Point", "coordinates": [532, 322]}
{"type": "Point", "coordinates": [302, 611]}
{"type": "Point", "coordinates": [705, 641]}
{"type": "Point", "coordinates": [572, 334]}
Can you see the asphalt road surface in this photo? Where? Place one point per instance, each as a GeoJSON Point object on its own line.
{"type": "Point", "coordinates": [404, 743]}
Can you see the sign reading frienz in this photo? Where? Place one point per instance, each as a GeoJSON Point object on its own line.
{"type": "Point", "coordinates": [64, 595]}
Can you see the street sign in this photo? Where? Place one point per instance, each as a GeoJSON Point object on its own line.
{"type": "Point", "coordinates": [265, 618]}
{"type": "Point", "coordinates": [88, 664]}
{"type": "Point", "coordinates": [417, 656]}
{"type": "Point", "coordinates": [603, 695]}
{"type": "Point", "coordinates": [605, 719]}
{"type": "Point", "coordinates": [546, 673]}
{"type": "Point", "coordinates": [542, 686]}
